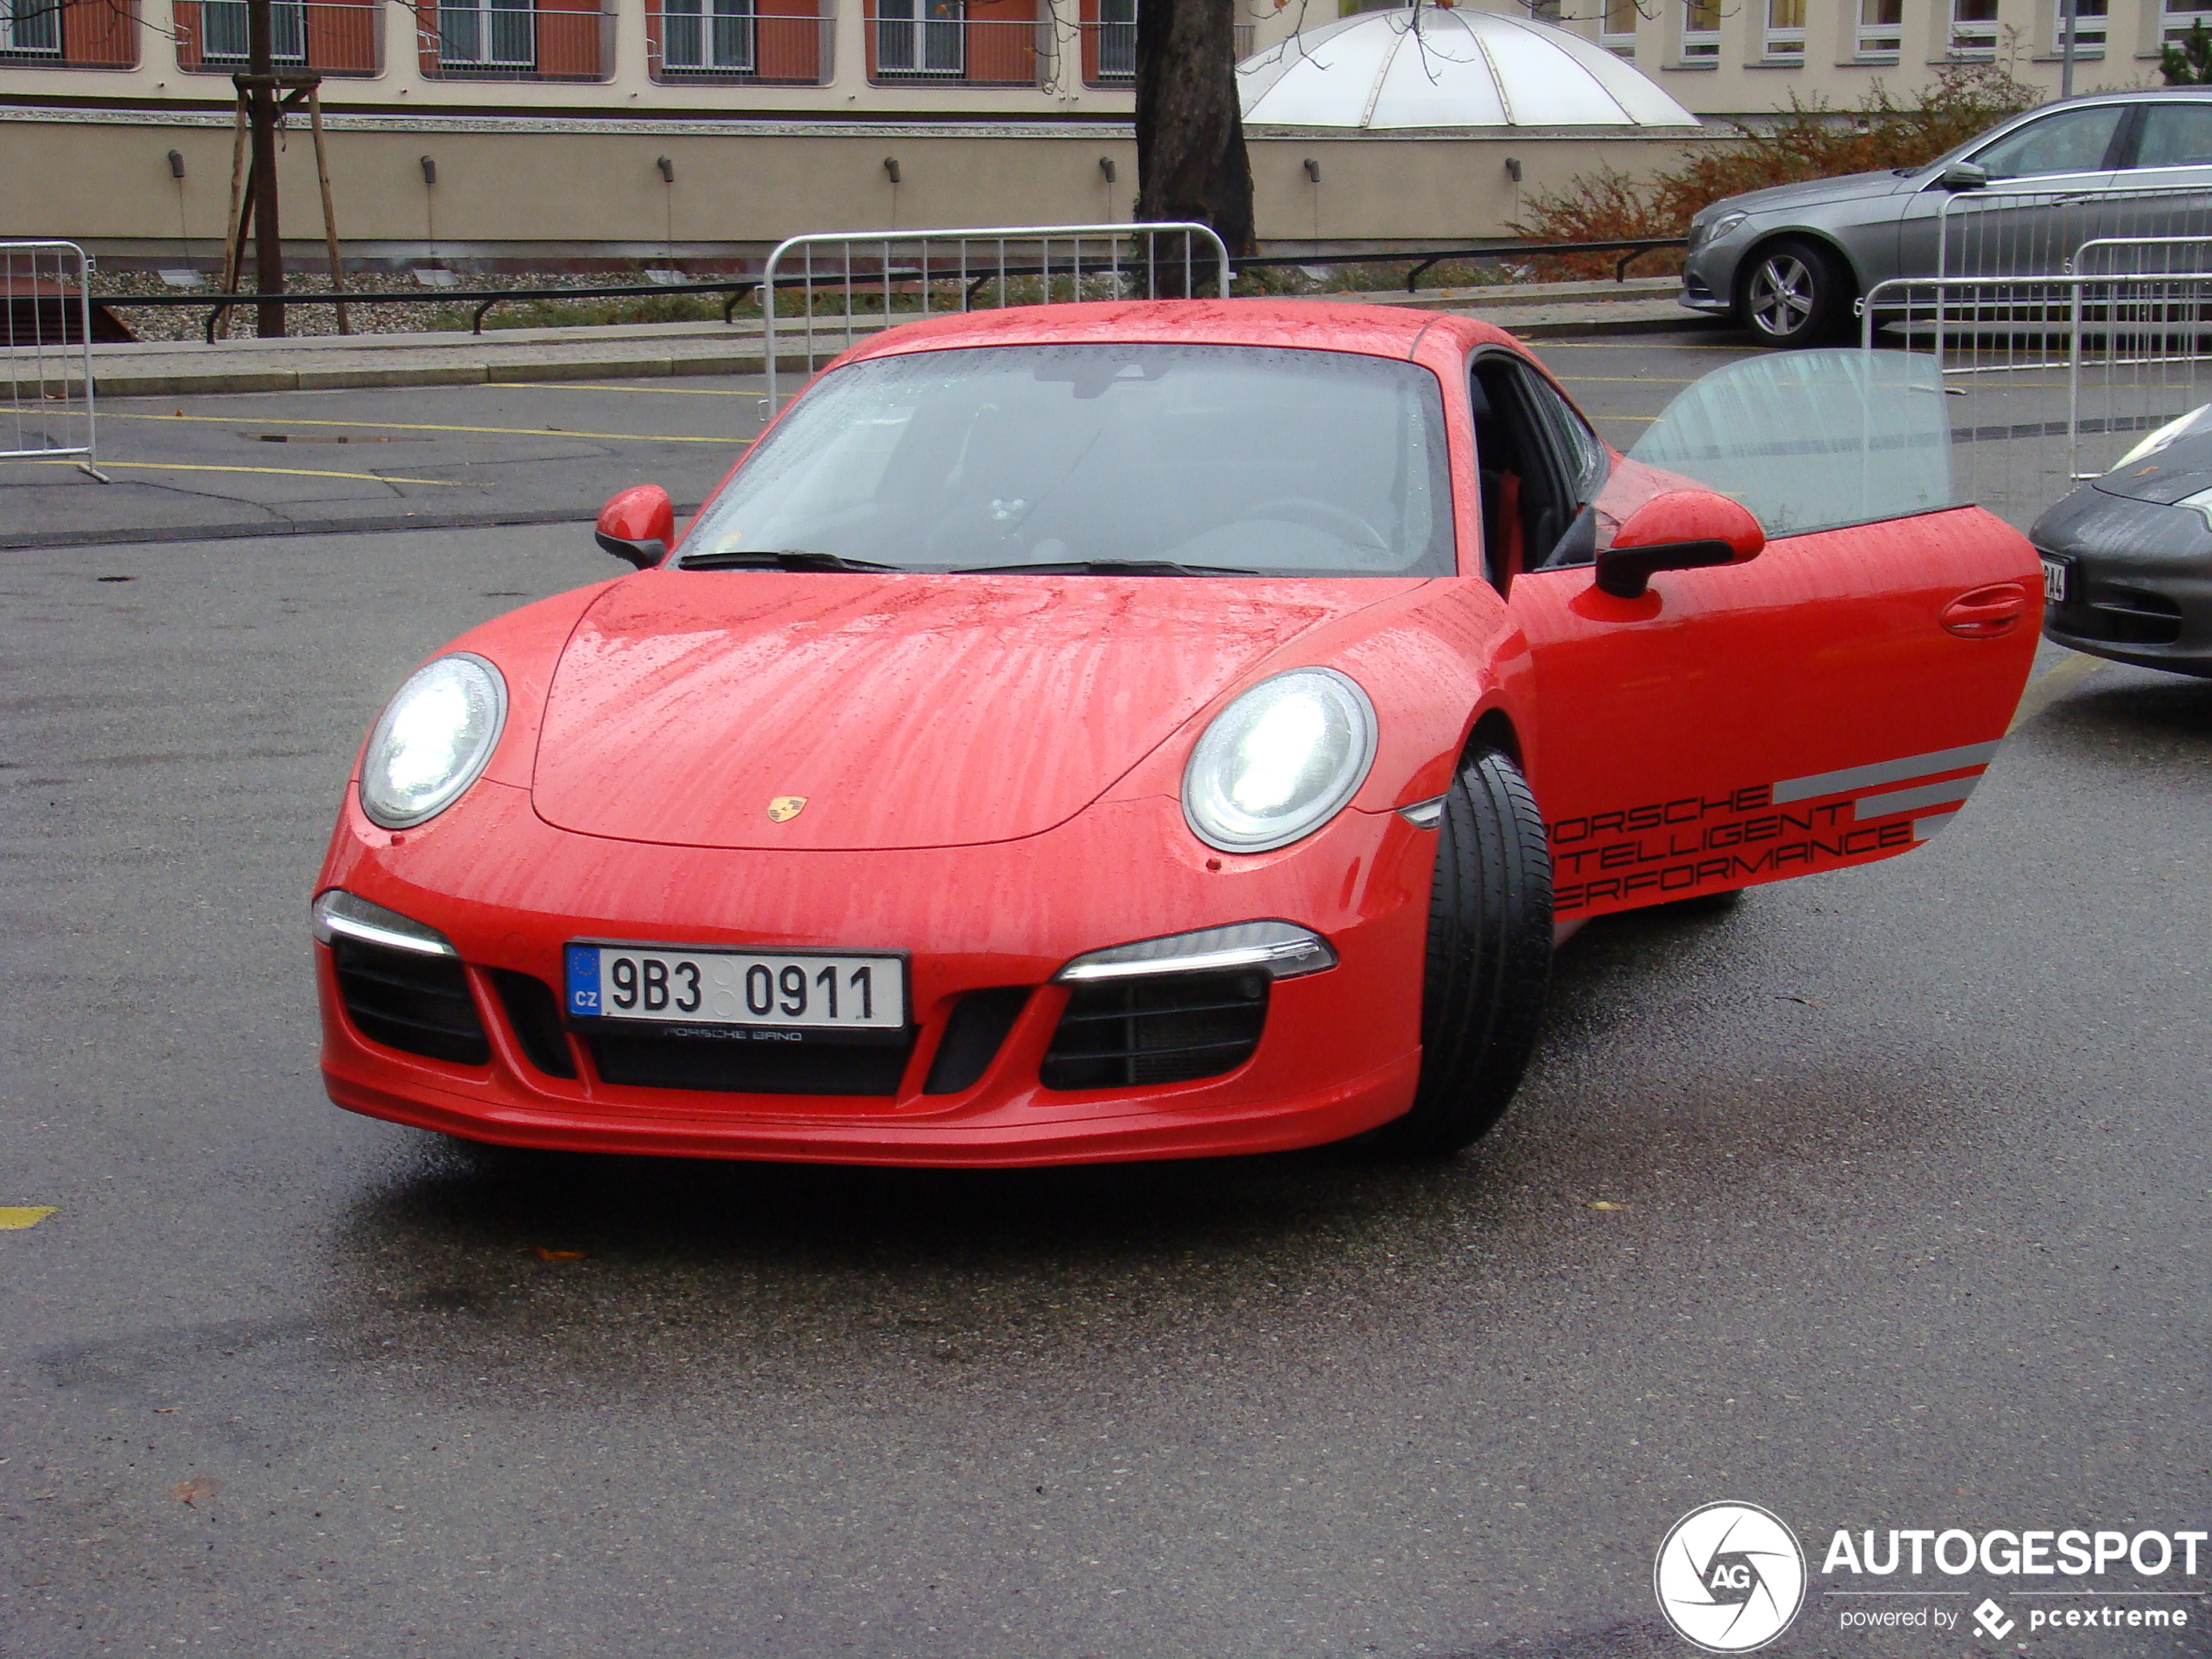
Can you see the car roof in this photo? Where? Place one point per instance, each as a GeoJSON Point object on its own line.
{"type": "Point", "coordinates": [1314, 325]}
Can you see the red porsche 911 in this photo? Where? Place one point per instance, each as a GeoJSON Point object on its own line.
{"type": "Point", "coordinates": [1133, 731]}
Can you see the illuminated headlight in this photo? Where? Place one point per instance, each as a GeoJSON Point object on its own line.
{"type": "Point", "coordinates": [432, 740]}
{"type": "Point", "coordinates": [339, 914]}
{"type": "Point", "coordinates": [2160, 439]}
{"type": "Point", "coordinates": [1713, 230]}
{"type": "Point", "coordinates": [1283, 950]}
{"type": "Point", "coordinates": [1279, 762]}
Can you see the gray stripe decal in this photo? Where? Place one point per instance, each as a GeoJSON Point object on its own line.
{"type": "Point", "coordinates": [1925, 828]}
{"type": "Point", "coordinates": [1885, 771]}
{"type": "Point", "coordinates": [1907, 800]}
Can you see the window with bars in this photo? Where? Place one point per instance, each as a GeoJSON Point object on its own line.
{"type": "Point", "coordinates": [707, 35]}
{"type": "Point", "coordinates": [921, 37]}
{"type": "Point", "coordinates": [2176, 17]}
{"type": "Point", "coordinates": [2089, 17]}
{"type": "Point", "coordinates": [1881, 28]}
{"type": "Point", "coordinates": [1617, 27]}
{"type": "Point", "coordinates": [224, 22]}
{"type": "Point", "coordinates": [31, 26]}
{"type": "Point", "coordinates": [1701, 32]}
{"type": "Point", "coordinates": [487, 32]}
{"type": "Point", "coordinates": [1785, 30]}
{"type": "Point", "coordinates": [1973, 28]}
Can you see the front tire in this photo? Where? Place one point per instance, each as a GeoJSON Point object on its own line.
{"type": "Point", "coordinates": [1489, 961]}
{"type": "Point", "coordinates": [1797, 294]}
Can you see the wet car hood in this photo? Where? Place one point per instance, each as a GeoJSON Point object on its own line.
{"type": "Point", "coordinates": [2182, 467]}
{"type": "Point", "coordinates": [1811, 193]}
{"type": "Point", "coordinates": [908, 711]}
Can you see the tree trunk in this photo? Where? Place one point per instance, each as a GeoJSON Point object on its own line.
{"type": "Point", "coordinates": [261, 116]}
{"type": "Point", "coordinates": [1190, 160]}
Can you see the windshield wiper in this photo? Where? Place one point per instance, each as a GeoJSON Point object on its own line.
{"type": "Point", "coordinates": [778, 558]}
{"type": "Point", "coordinates": [1107, 567]}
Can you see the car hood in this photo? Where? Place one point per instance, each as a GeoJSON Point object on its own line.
{"type": "Point", "coordinates": [1809, 193]}
{"type": "Point", "coordinates": [906, 710]}
{"type": "Point", "coordinates": [2182, 467]}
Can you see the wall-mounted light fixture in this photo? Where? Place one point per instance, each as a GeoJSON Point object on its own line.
{"type": "Point", "coordinates": [667, 169]}
{"type": "Point", "coordinates": [429, 171]}
{"type": "Point", "coordinates": [891, 168]}
{"type": "Point", "coordinates": [1313, 170]}
{"type": "Point", "coordinates": [1513, 169]}
{"type": "Point", "coordinates": [1106, 166]}
{"type": "Point", "coordinates": [176, 163]}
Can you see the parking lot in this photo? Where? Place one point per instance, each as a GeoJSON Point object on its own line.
{"type": "Point", "coordinates": [1882, 1199]}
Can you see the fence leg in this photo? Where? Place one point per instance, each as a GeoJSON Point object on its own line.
{"type": "Point", "coordinates": [329, 214]}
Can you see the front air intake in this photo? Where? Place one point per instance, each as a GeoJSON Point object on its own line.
{"type": "Point", "coordinates": [1163, 1028]}
{"type": "Point", "coordinates": [410, 1002]}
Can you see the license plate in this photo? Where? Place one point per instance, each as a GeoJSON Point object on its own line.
{"type": "Point", "coordinates": [783, 990]}
{"type": "Point", "coordinates": [2054, 581]}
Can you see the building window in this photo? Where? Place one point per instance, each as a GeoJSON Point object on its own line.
{"type": "Point", "coordinates": [2088, 26]}
{"type": "Point", "coordinates": [920, 37]}
{"type": "Point", "coordinates": [228, 39]}
{"type": "Point", "coordinates": [1881, 28]}
{"type": "Point", "coordinates": [1785, 30]}
{"type": "Point", "coordinates": [1973, 28]}
{"type": "Point", "coordinates": [31, 26]}
{"type": "Point", "coordinates": [1701, 32]}
{"type": "Point", "coordinates": [1617, 31]}
{"type": "Point", "coordinates": [488, 34]}
{"type": "Point", "coordinates": [2178, 17]}
{"type": "Point", "coordinates": [708, 35]}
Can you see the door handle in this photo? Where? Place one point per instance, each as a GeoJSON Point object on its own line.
{"type": "Point", "coordinates": [1986, 613]}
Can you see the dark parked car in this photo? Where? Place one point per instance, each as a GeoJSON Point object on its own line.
{"type": "Point", "coordinates": [2128, 557]}
{"type": "Point", "coordinates": [1789, 262]}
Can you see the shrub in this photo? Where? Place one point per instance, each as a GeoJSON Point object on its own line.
{"type": "Point", "coordinates": [1805, 141]}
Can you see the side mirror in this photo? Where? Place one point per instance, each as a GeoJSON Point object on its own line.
{"type": "Point", "coordinates": [1963, 175]}
{"type": "Point", "coordinates": [1683, 530]}
{"type": "Point", "coordinates": [637, 525]}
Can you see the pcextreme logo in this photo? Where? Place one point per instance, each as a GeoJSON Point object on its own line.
{"type": "Point", "coordinates": [1729, 1577]}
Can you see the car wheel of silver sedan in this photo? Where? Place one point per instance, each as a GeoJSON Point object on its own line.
{"type": "Point", "coordinates": [1796, 293]}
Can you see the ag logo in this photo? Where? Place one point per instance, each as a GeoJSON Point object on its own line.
{"type": "Point", "coordinates": [1729, 1577]}
{"type": "Point", "coordinates": [784, 808]}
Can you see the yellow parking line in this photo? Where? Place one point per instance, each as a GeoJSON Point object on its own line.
{"type": "Point", "coordinates": [421, 426]}
{"type": "Point", "coordinates": [14, 1217]}
{"type": "Point", "coordinates": [604, 385]}
{"type": "Point", "coordinates": [2047, 689]}
{"type": "Point", "coordinates": [281, 472]}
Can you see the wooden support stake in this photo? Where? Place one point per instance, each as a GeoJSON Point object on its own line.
{"type": "Point", "coordinates": [329, 213]}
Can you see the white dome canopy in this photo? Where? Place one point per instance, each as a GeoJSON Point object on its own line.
{"type": "Point", "coordinates": [1448, 66]}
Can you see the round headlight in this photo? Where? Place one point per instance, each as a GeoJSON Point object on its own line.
{"type": "Point", "coordinates": [1279, 762]}
{"type": "Point", "coordinates": [432, 740]}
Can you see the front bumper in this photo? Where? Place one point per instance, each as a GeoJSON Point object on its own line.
{"type": "Point", "coordinates": [1708, 279]}
{"type": "Point", "coordinates": [2140, 587]}
{"type": "Point", "coordinates": [1338, 1053]}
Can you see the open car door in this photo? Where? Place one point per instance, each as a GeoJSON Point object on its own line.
{"type": "Point", "coordinates": [1831, 701]}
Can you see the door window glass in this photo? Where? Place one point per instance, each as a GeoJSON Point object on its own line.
{"type": "Point", "coordinates": [2071, 141]}
{"type": "Point", "coordinates": [2176, 135]}
{"type": "Point", "coordinates": [1813, 440]}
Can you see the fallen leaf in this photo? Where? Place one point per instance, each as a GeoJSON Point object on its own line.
{"type": "Point", "coordinates": [13, 1218]}
{"type": "Point", "coordinates": [545, 1255]}
{"type": "Point", "coordinates": [191, 1491]}
{"type": "Point", "coordinates": [1606, 1203]}
{"type": "Point", "coordinates": [165, 1408]}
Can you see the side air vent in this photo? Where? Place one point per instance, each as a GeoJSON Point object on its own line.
{"type": "Point", "coordinates": [406, 1001]}
{"type": "Point", "coordinates": [1167, 1028]}
{"type": "Point", "coordinates": [973, 1036]}
{"type": "Point", "coordinates": [534, 1014]}
{"type": "Point", "coordinates": [2122, 617]}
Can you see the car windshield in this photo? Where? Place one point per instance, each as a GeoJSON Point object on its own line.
{"type": "Point", "coordinates": [1149, 459]}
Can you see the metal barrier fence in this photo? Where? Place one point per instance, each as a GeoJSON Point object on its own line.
{"type": "Point", "coordinates": [48, 345]}
{"type": "Point", "coordinates": [876, 278]}
{"type": "Point", "coordinates": [2056, 376]}
{"type": "Point", "coordinates": [2000, 232]}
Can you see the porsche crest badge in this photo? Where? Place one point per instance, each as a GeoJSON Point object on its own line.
{"type": "Point", "coordinates": [784, 808]}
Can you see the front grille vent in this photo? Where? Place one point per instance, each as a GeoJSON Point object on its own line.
{"type": "Point", "coordinates": [406, 1000]}
{"type": "Point", "coordinates": [2122, 616]}
{"type": "Point", "coordinates": [1163, 1028]}
{"type": "Point", "coordinates": [743, 1063]}
{"type": "Point", "coordinates": [534, 1014]}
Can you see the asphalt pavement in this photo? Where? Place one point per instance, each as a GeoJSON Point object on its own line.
{"type": "Point", "coordinates": [1882, 1199]}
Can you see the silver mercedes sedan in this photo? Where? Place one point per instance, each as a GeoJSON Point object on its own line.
{"type": "Point", "coordinates": [1788, 263]}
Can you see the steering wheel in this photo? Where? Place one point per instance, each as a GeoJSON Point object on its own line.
{"type": "Point", "coordinates": [1322, 516]}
